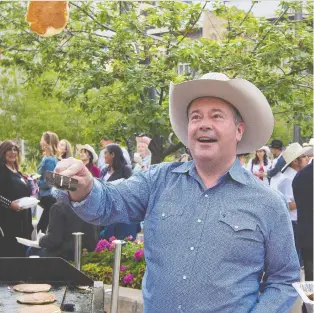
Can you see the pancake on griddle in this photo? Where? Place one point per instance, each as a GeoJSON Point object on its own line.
{"type": "Point", "coordinates": [30, 288]}
{"type": "Point", "coordinates": [46, 308]}
{"type": "Point", "coordinates": [37, 298]}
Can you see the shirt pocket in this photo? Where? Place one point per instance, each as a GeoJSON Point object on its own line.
{"type": "Point", "coordinates": [243, 239]}
{"type": "Point", "coordinates": [163, 226]}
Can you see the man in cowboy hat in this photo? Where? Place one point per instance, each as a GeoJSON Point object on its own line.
{"type": "Point", "coordinates": [296, 159]}
{"type": "Point", "coordinates": [211, 229]}
{"type": "Point", "coordinates": [278, 163]}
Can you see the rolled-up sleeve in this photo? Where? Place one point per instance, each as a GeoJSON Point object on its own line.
{"type": "Point", "coordinates": [281, 267]}
{"type": "Point", "coordinates": [121, 201]}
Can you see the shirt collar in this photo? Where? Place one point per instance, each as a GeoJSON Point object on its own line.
{"type": "Point", "coordinates": [236, 172]}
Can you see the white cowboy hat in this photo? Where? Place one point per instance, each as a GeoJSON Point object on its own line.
{"type": "Point", "coordinates": [309, 144]}
{"type": "Point", "coordinates": [243, 95]}
{"type": "Point", "coordinates": [266, 149]}
{"type": "Point", "coordinates": [292, 152]}
{"type": "Point", "coordinates": [91, 150]}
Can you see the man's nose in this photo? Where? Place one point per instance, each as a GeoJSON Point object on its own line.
{"type": "Point", "coordinates": [205, 124]}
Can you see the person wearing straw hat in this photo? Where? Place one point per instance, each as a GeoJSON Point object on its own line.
{"type": "Point", "coordinates": [310, 153]}
{"type": "Point", "coordinates": [89, 157]}
{"type": "Point", "coordinates": [260, 164]}
{"type": "Point", "coordinates": [296, 159]}
{"type": "Point", "coordinates": [211, 228]}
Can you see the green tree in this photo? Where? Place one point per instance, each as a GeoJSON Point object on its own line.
{"type": "Point", "coordinates": [111, 73]}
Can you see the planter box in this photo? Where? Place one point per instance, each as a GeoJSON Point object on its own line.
{"type": "Point", "coordinates": [130, 300]}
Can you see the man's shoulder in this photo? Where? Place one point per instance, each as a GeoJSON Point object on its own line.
{"type": "Point", "coordinates": [168, 167]}
{"type": "Point", "coordinates": [262, 189]}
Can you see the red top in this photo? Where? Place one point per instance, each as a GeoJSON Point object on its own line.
{"type": "Point", "coordinates": [94, 170]}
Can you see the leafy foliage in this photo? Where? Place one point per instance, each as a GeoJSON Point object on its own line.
{"type": "Point", "coordinates": [108, 72]}
{"type": "Point", "coordinates": [98, 264]}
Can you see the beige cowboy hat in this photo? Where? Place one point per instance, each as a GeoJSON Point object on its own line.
{"type": "Point", "coordinates": [311, 145]}
{"type": "Point", "coordinates": [91, 150]}
{"type": "Point", "coordinates": [266, 149]}
{"type": "Point", "coordinates": [292, 152]}
{"type": "Point", "coordinates": [243, 95]}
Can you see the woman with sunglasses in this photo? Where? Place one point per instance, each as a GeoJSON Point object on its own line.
{"type": "Point", "coordinates": [14, 222]}
{"type": "Point", "coordinates": [260, 164]}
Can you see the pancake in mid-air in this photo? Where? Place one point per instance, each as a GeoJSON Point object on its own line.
{"type": "Point", "coordinates": [47, 18]}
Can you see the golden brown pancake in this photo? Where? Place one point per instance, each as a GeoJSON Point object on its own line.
{"type": "Point", "coordinates": [49, 308]}
{"type": "Point", "coordinates": [37, 298]}
{"type": "Point", "coordinates": [47, 18]}
{"type": "Point", "coordinates": [29, 288]}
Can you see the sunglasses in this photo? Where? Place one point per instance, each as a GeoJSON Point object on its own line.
{"type": "Point", "coordinates": [13, 149]}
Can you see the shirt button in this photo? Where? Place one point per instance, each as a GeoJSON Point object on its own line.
{"type": "Point", "coordinates": [163, 214]}
{"type": "Point", "coordinates": [206, 196]}
{"type": "Point", "coordinates": [236, 227]}
{"type": "Point", "coordinates": [192, 248]}
{"type": "Point", "coordinates": [199, 220]}
{"type": "Point", "coordinates": [179, 306]}
{"type": "Point", "coordinates": [184, 277]}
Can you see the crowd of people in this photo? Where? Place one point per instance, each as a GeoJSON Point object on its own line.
{"type": "Point", "coordinates": [57, 221]}
{"type": "Point", "coordinates": [222, 233]}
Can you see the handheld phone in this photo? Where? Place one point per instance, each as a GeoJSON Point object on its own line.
{"type": "Point", "coordinates": [61, 181]}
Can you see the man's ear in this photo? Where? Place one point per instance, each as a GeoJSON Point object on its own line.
{"type": "Point", "coordinates": [239, 131]}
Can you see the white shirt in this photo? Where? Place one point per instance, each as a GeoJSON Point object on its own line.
{"type": "Point", "coordinates": [101, 158]}
{"type": "Point", "coordinates": [255, 169]}
{"type": "Point", "coordinates": [275, 180]}
{"type": "Point", "coordinates": [285, 187]}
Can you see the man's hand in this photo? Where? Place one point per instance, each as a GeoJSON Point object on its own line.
{"type": "Point", "coordinates": [75, 168]}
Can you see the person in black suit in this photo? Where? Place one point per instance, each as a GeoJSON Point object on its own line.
{"type": "Point", "coordinates": [59, 240]}
{"type": "Point", "coordinates": [303, 194]}
{"type": "Point", "coordinates": [117, 168]}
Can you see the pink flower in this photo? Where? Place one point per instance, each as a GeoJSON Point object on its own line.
{"type": "Point", "coordinates": [122, 268]}
{"type": "Point", "coordinates": [138, 255]}
{"type": "Point", "coordinates": [112, 238]}
{"type": "Point", "coordinates": [102, 245]}
{"type": "Point", "coordinates": [111, 246]}
{"type": "Point", "coordinates": [129, 238]}
{"type": "Point", "coordinates": [128, 279]}
{"type": "Point", "coordinates": [84, 252]}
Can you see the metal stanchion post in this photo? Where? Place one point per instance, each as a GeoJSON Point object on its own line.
{"type": "Point", "coordinates": [116, 276]}
{"type": "Point", "coordinates": [77, 249]}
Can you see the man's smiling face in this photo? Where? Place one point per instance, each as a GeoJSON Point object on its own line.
{"type": "Point", "coordinates": [212, 131]}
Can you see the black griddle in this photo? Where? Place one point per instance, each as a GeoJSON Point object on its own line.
{"type": "Point", "coordinates": [61, 275]}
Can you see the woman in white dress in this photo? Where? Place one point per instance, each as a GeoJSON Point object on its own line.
{"type": "Point", "coordinates": [260, 164]}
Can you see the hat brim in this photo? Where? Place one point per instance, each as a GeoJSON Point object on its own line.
{"type": "Point", "coordinates": [243, 95]}
{"type": "Point", "coordinates": [295, 155]}
{"type": "Point", "coordinates": [95, 156]}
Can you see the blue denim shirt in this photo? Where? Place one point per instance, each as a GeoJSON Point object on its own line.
{"type": "Point", "coordinates": [205, 248]}
{"type": "Point", "coordinates": [48, 163]}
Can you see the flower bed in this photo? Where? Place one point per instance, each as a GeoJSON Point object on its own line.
{"type": "Point", "coordinates": [98, 264]}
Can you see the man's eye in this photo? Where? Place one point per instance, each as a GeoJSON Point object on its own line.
{"type": "Point", "coordinates": [217, 116]}
{"type": "Point", "coordinates": [195, 117]}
